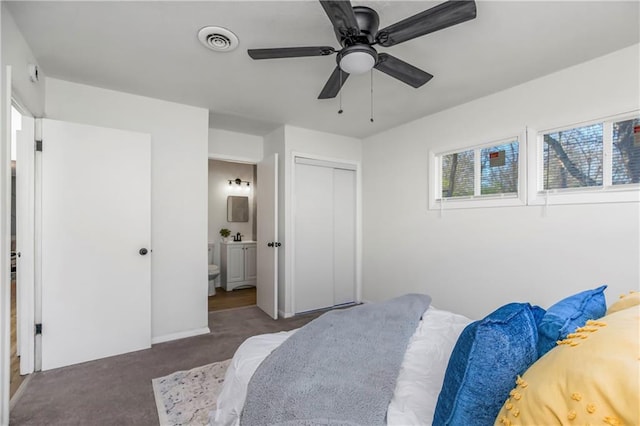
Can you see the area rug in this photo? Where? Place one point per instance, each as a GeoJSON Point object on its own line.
{"type": "Point", "coordinates": [187, 397]}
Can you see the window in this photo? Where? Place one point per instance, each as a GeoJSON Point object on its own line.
{"type": "Point", "coordinates": [595, 162]}
{"type": "Point", "coordinates": [625, 157]}
{"type": "Point", "coordinates": [573, 158]}
{"type": "Point", "coordinates": [499, 169]}
{"type": "Point", "coordinates": [457, 174]}
{"type": "Point", "coordinates": [487, 175]}
{"type": "Point", "coordinates": [592, 162]}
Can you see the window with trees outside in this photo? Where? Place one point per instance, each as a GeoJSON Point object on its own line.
{"type": "Point", "coordinates": [486, 175]}
{"type": "Point", "coordinates": [604, 155]}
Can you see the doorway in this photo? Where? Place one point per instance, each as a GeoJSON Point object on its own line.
{"type": "Point", "coordinates": [232, 188]}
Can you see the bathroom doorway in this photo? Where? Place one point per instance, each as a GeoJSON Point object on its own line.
{"type": "Point", "coordinates": [232, 257]}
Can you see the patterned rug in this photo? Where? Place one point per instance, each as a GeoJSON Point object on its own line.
{"type": "Point", "coordinates": [187, 397]}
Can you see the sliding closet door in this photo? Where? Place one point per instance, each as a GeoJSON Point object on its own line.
{"type": "Point", "coordinates": [324, 235]}
{"type": "Point", "coordinates": [344, 236]}
{"type": "Point", "coordinates": [313, 269]}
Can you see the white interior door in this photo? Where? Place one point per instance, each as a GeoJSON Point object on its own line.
{"type": "Point", "coordinates": [25, 261]}
{"type": "Point", "coordinates": [95, 213]}
{"type": "Point", "coordinates": [267, 230]}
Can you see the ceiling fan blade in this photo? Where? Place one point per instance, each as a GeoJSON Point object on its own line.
{"type": "Point", "coordinates": [444, 15]}
{"type": "Point", "coordinates": [341, 15]}
{"type": "Point", "coordinates": [290, 52]}
{"type": "Point", "coordinates": [334, 84]}
{"type": "Point", "coordinates": [401, 70]}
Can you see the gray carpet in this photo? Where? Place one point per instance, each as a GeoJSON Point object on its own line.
{"type": "Point", "coordinates": [117, 390]}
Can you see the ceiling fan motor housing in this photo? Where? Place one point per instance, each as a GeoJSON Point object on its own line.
{"type": "Point", "coordinates": [368, 22]}
{"type": "Point", "coordinates": [357, 56]}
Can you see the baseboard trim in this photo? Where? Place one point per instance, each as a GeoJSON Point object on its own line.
{"type": "Point", "coordinates": [283, 314]}
{"type": "Point", "coordinates": [18, 394]}
{"type": "Point", "coordinates": [180, 335]}
{"type": "Point", "coordinates": [232, 309]}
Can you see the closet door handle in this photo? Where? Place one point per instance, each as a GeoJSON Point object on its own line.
{"type": "Point", "coordinates": [270, 244]}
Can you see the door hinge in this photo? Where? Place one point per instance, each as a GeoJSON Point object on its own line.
{"type": "Point", "coordinates": [39, 146]}
{"type": "Point", "coordinates": [38, 328]}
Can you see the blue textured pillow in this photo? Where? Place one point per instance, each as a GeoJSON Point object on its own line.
{"type": "Point", "coordinates": [567, 315]}
{"type": "Point", "coordinates": [484, 364]}
{"type": "Point", "coordinates": [538, 314]}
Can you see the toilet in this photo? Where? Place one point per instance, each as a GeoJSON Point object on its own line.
{"type": "Point", "coordinates": [214, 271]}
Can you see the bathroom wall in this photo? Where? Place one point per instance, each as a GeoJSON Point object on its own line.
{"type": "Point", "coordinates": [220, 172]}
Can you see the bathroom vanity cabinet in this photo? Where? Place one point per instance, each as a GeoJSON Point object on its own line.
{"type": "Point", "coordinates": [238, 264]}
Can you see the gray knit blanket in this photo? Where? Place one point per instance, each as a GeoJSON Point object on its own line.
{"type": "Point", "coordinates": [340, 369]}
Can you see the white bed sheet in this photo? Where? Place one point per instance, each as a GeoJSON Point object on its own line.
{"type": "Point", "coordinates": [419, 381]}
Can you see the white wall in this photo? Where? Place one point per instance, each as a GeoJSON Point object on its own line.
{"type": "Point", "coordinates": [303, 141]}
{"type": "Point", "coordinates": [228, 145]}
{"type": "Point", "coordinates": [219, 174]}
{"type": "Point", "coordinates": [14, 52]}
{"type": "Point", "coordinates": [179, 135]}
{"type": "Point", "coordinates": [17, 53]}
{"type": "Point", "coordinates": [473, 260]}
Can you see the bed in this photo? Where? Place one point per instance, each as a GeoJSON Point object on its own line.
{"type": "Point", "coordinates": [459, 371]}
{"type": "Point", "coordinates": [420, 375]}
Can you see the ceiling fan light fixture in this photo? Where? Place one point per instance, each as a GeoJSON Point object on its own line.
{"type": "Point", "coordinates": [357, 59]}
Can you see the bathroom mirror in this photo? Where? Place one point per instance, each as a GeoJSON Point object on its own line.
{"type": "Point", "coordinates": [237, 209]}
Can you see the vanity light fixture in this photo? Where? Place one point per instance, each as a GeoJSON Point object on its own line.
{"type": "Point", "coordinates": [238, 183]}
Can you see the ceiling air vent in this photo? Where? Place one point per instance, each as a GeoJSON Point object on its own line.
{"type": "Point", "coordinates": [218, 39]}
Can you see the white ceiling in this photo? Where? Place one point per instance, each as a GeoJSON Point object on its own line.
{"type": "Point", "coordinates": [151, 48]}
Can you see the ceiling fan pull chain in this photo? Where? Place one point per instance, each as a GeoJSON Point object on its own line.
{"type": "Point", "coordinates": [340, 94]}
{"type": "Point", "coordinates": [371, 119]}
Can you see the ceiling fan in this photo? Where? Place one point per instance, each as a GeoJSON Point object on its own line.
{"type": "Point", "coordinates": [356, 29]}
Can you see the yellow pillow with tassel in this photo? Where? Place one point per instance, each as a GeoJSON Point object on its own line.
{"type": "Point", "coordinates": [626, 301]}
{"type": "Point", "coordinates": [591, 378]}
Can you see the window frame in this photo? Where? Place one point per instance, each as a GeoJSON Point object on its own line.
{"type": "Point", "coordinates": [606, 193]}
{"type": "Point", "coordinates": [518, 198]}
